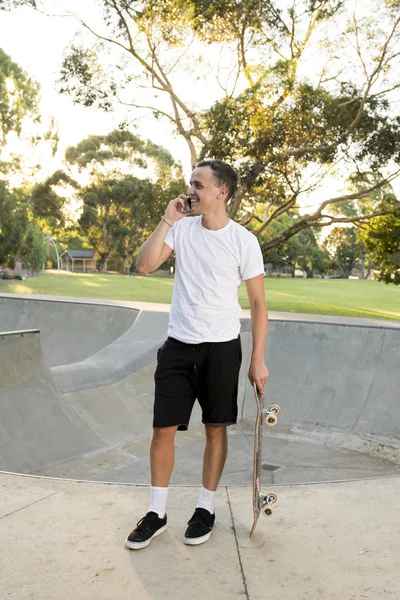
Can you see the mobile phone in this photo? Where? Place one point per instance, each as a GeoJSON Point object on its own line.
{"type": "Point", "coordinates": [188, 203]}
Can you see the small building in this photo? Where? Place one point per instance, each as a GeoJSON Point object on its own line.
{"type": "Point", "coordinates": [268, 268]}
{"type": "Point", "coordinates": [78, 261]}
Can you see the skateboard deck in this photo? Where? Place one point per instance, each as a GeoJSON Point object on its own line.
{"type": "Point", "coordinates": [261, 502]}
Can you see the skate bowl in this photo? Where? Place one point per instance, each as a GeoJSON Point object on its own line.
{"type": "Point", "coordinates": [76, 395]}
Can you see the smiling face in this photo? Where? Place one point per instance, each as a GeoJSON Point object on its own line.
{"type": "Point", "coordinates": [206, 196]}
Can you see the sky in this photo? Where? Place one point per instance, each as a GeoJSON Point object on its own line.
{"type": "Point", "coordinates": [38, 43]}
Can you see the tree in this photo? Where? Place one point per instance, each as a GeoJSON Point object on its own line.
{"type": "Point", "coordinates": [117, 208]}
{"type": "Point", "coordinates": [285, 131]}
{"type": "Point", "coordinates": [13, 223]}
{"type": "Point", "coordinates": [33, 251]}
{"type": "Point", "coordinates": [301, 251]}
{"type": "Point", "coordinates": [382, 241]}
{"type": "Point", "coordinates": [18, 97]}
{"type": "Point", "coordinates": [19, 237]}
{"type": "Point", "coordinates": [345, 248]}
{"type": "Point", "coordinates": [12, 4]}
{"type": "Point", "coordinates": [20, 120]}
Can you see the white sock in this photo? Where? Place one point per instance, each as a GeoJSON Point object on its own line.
{"type": "Point", "coordinates": [158, 500]}
{"type": "Point", "coordinates": [206, 500]}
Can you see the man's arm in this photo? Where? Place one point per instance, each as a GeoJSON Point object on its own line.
{"type": "Point", "coordinates": [154, 252]}
{"type": "Point", "coordinates": [258, 372]}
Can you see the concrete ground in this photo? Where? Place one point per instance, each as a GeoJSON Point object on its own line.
{"type": "Point", "coordinates": [65, 539]}
{"type": "Point", "coordinates": [76, 403]}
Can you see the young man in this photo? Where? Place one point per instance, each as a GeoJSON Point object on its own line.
{"type": "Point", "coordinates": [202, 355]}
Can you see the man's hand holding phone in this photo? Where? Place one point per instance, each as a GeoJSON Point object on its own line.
{"type": "Point", "coordinates": [177, 209]}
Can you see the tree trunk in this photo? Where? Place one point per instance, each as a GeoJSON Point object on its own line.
{"type": "Point", "coordinates": [125, 265]}
{"type": "Point", "coordinates": [369, 270]}
{"type": "Point", "coordinates": [103, 263]}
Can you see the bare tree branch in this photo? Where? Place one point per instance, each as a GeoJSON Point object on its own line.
{"type": "Point", "coordinates": [185, 134]}
{"type": "Point", "coordinates": [241, 35]}
{"type": "Point", "coordinates": [144, 106]}
{"type": "Point", "coordinates": [277, 212]}
{"type": "Point", "coordinates": [357, 219]}
{"type": "Point", "coordinates": [306, 223]}
{"type": "Point", "coordinates": [358, 47]}
{"type": "Point", "coordinates": [181, 56]}
{"type": "Point", "coordinates": [359, 194]}
{"type": "Point", "coordinates": [318, 219]}
{"type": "Point", "coordinates": [324, 69]}
{"type": "Point", "coordinates": [372, 78]}
{"type": "Point", "coordinates": [236, 204]}
{"type": "Point", "coordinates": [394, 87]}
{"type": "Point", "coordinates": [292, 43]}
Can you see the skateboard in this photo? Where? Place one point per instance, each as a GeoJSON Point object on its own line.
{"type": "Point", "coordinates": [261, 502]}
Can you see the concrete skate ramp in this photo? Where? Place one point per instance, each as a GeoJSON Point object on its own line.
{"type": "Point", "coordinates": [37, 425]}
{"type": "Point", "coordinates": [341, 376]}
{"type": "Point", "coordinates": [71, 331]}
{"type": "Point", "coordinates": [338, 386]}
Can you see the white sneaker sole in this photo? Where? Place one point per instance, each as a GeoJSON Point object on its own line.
{"type": "Point", "coordinates": [140, 545]}
{"type": "Point", "coordinates": [197, 541]}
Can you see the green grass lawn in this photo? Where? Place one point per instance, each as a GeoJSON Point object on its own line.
{"type": "Point", "coordinates": [315, 296]}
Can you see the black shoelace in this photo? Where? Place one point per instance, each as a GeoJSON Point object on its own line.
{"type": "Point", "coordinates": [144, 522]}
{"type": "Point", "coordinates": [199, 518]}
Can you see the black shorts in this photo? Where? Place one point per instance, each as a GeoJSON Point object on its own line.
{"type": "Point", "coordinates": [208, 372]}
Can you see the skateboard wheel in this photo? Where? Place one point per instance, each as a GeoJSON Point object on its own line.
{"type": "Point", "coordinates": [272, 498]}
{"type": "Point", "coordinates": [267, 511]}
{"type": "Point", "coordinates": [275, 409]}
{"type": "Point", "coordinates": [271, 420]}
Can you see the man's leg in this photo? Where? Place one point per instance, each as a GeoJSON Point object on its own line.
{"type": "Point", "coordinates": [215, 454]}
{"type": "Point", "coordinates": [162, 464]}
{"type": "Point", "coordinates": [217, 393]}
{"type": "Point", "coordinates": [214, 459]}
{"type": "Point", "coordinates": [162, 453]}
{"type": "Point", "coordinates": [173, 403]}
{"type": "Point", "coordinates": [201, 524]}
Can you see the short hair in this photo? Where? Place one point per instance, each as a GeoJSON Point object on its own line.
{"type": "Point", "coordinates": [224, 174]}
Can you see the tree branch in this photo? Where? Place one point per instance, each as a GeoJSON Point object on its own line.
{"type": "Point", "coordinates": [372, 78]}
{"type": "Point", "coordinates": [394, 87]}
{"type": "Point", "coordinates": [176, 100]}
{"type": "Point", "coordinates": [186, 135]}
{"type": "Point", "coordinates": [315, 219]}
{"type": "Point", "coordinates": [276, 213]}
{"type": "Point", "coordinates": [357, 195]}
{"type": "Point", "coordinates": [181, 56]}
{"type": "Point", "coordinates": [242, 48]}
{"type": "Point", "coordinates": [233, 210]}
{"type": "Point", "coordinates": [152, 108]}
{"type": "Point", "coordinates": [306, 223]}
{"type": "Point", "coordinates": [356, 219]}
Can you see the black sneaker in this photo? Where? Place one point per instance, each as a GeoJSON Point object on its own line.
{"type": "Point", "coordinates": [200, 526]}
{"type": "Point", "coordinates": [149, 527]}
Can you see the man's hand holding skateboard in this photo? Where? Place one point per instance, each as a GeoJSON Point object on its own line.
{"type": "Point", "coordinates": [258, 373]}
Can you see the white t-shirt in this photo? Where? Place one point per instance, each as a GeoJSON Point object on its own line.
{"type": "Point", "coordinates": [210, 266]}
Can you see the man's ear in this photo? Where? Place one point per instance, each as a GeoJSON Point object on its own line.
{"type": "Point", "coordinates": [223, 192]}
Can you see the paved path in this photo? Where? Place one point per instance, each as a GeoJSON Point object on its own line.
{"type": "Point", "coordinates": [64, 539]}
